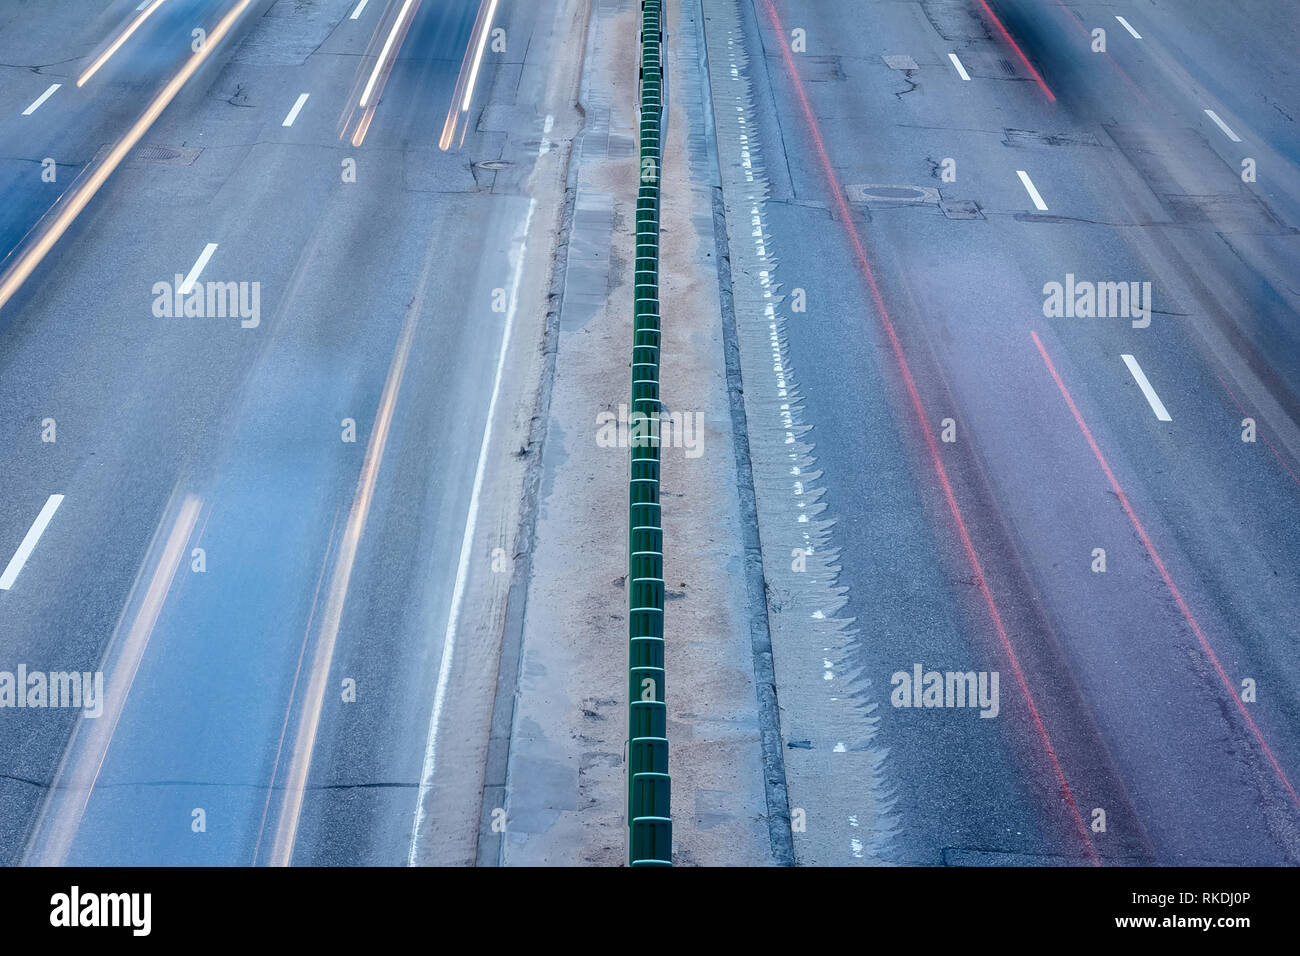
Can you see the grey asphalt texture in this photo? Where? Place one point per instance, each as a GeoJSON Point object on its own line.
{"type": "Point", "coordinates": [1134, 684]}
{"type": "Point", "coordinates": [250, 420]}
{"type": "Point", "coordinates": [1140, 185]}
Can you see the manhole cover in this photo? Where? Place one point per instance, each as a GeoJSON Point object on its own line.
{"type": "Point", "coordinates": [494, 164]}
{"type": "Point", "coordinates": [878, 192]}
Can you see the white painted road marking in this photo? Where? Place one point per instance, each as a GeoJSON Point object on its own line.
{"type": "Point", "coordinates": [41, 99]}
{"type": "Point", "coordinates": [190, 279]}
{"type": "Point", "coordinates": [545, 146]}
{"type": "Point", "coordinates": [961, 70]}
{"type": "Point", "coordinates": [1029, 188]}
{"type": "Point", "coordinates": [357, 12]}
{"type": "Point", "coordinates": [1129, 27]}
{"type": "Point", "coordinates": [29, 543]}
{"type": "Point", "coordinates": [1153, 399]}
{"type": "Point", "coordinates": [1210, 113]}
{"type": "Point", "coordinates": [293, 113]}
{"type": "Point", "coordinates": [430, 766]}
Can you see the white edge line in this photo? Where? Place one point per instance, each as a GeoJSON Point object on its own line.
{"type": "Point", "coordinates": [545, 146]}
{"type": "Point", "coordinates": [961, 70]}
{"type": "Point", "coordinates": [29, 542]}
{"type": "Point", "coordinates": [1153, 399]}
{"type": "Point", "coordinates": [188, 284]}
{"type": "Point", "coordinates": [466, 546]}
{"type": "Point", "coordinates": [357, 12]}
{"type": "Point", "coordinates": [1223, 126]}
{"type": "Point", "coordinates": [293, 113]}
{"type": "Point", "coordinates": [41, 99]}
{"type": "Point", "coordinates": [1033, 192]}
{"type": "Point", "coordinates": [1129, 27]}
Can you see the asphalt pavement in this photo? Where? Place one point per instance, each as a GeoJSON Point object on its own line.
{"type": "Point", "coordinates": [919, 174]}
{"type": "Point", "coordinates": [261, 540]}
{"type": "Point", "coordinates": [1002, 372]}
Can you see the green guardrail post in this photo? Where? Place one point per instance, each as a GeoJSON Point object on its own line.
{"type": "Point", "coordinates": [649, 817]}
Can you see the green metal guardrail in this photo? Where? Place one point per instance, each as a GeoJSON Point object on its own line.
{"type": "Point", "coordinates": [649, 821]}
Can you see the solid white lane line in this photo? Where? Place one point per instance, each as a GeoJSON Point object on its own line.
{"type": "Point", "coordinates": [293, 113]}
{"type": "Point", "coordinates": [961, 70]}
{"type": "Point", "coordinates": [1153, 399]}
{"type": "Point", "coordinates": [1210, 113]}
{"type": "Point", "coordinates": [29, 543]}
{"type": "Point", "coordinates": [357, 12]}
{"type": "Point", "coordinates": [41, 99]}
{"type": "Point", "coordinates": [430, 766]}
{"type": "Point", "coordinates": [1129, 27]}
{"type": "Point", "coordinates": [190, 279]}
{"type": "Point", "coordinates": [1029, 188]}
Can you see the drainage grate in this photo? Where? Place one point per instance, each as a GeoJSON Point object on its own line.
{"type": "Point", "coordinates": [156, 154]}
{"type": "Point", "coordinates": [1007, 68]}
{"type": "Point", "coordinates": [165, 155]}
{"type": "Point", "coordinates": [494, 164]}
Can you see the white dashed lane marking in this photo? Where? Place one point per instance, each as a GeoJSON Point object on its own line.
{"type": "Point", "coordinates": [293, 113]}
{"type": "Point", "coordinates": [29, 542]}
{"type": "Point", "coordinates": [1153, 399]}
{"type": "Point", "coordinates": [1033, 192]}
{"type": "Point", "coordinates": [1129, 27]}
{"type": "Point", "coordinates": [41, 99]}
{"type": "Point", "coordinates": [190, 279]}
{"type": "Point", "coordinates": [1223, 126]}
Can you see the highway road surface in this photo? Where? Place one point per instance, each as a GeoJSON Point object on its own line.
{"type": "Point", "coordinates": [265, 513]}
{"type": "Point", "coordinates": [992, 309]}
{"type": "Point", "coordinates": [1069, 496]}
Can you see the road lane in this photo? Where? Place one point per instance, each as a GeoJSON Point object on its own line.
{"type": "Point", "coordinates": [252, 420]}
{"type": "Point", "coordinates": [1134, 710]}
{"type": "Point", "coordinates": [280, 530]}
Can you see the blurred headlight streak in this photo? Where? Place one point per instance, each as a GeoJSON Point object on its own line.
{"type": "Point", "coordinates": [468, 72]}
{"type": "Point", "coordinates": [116, 44]}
